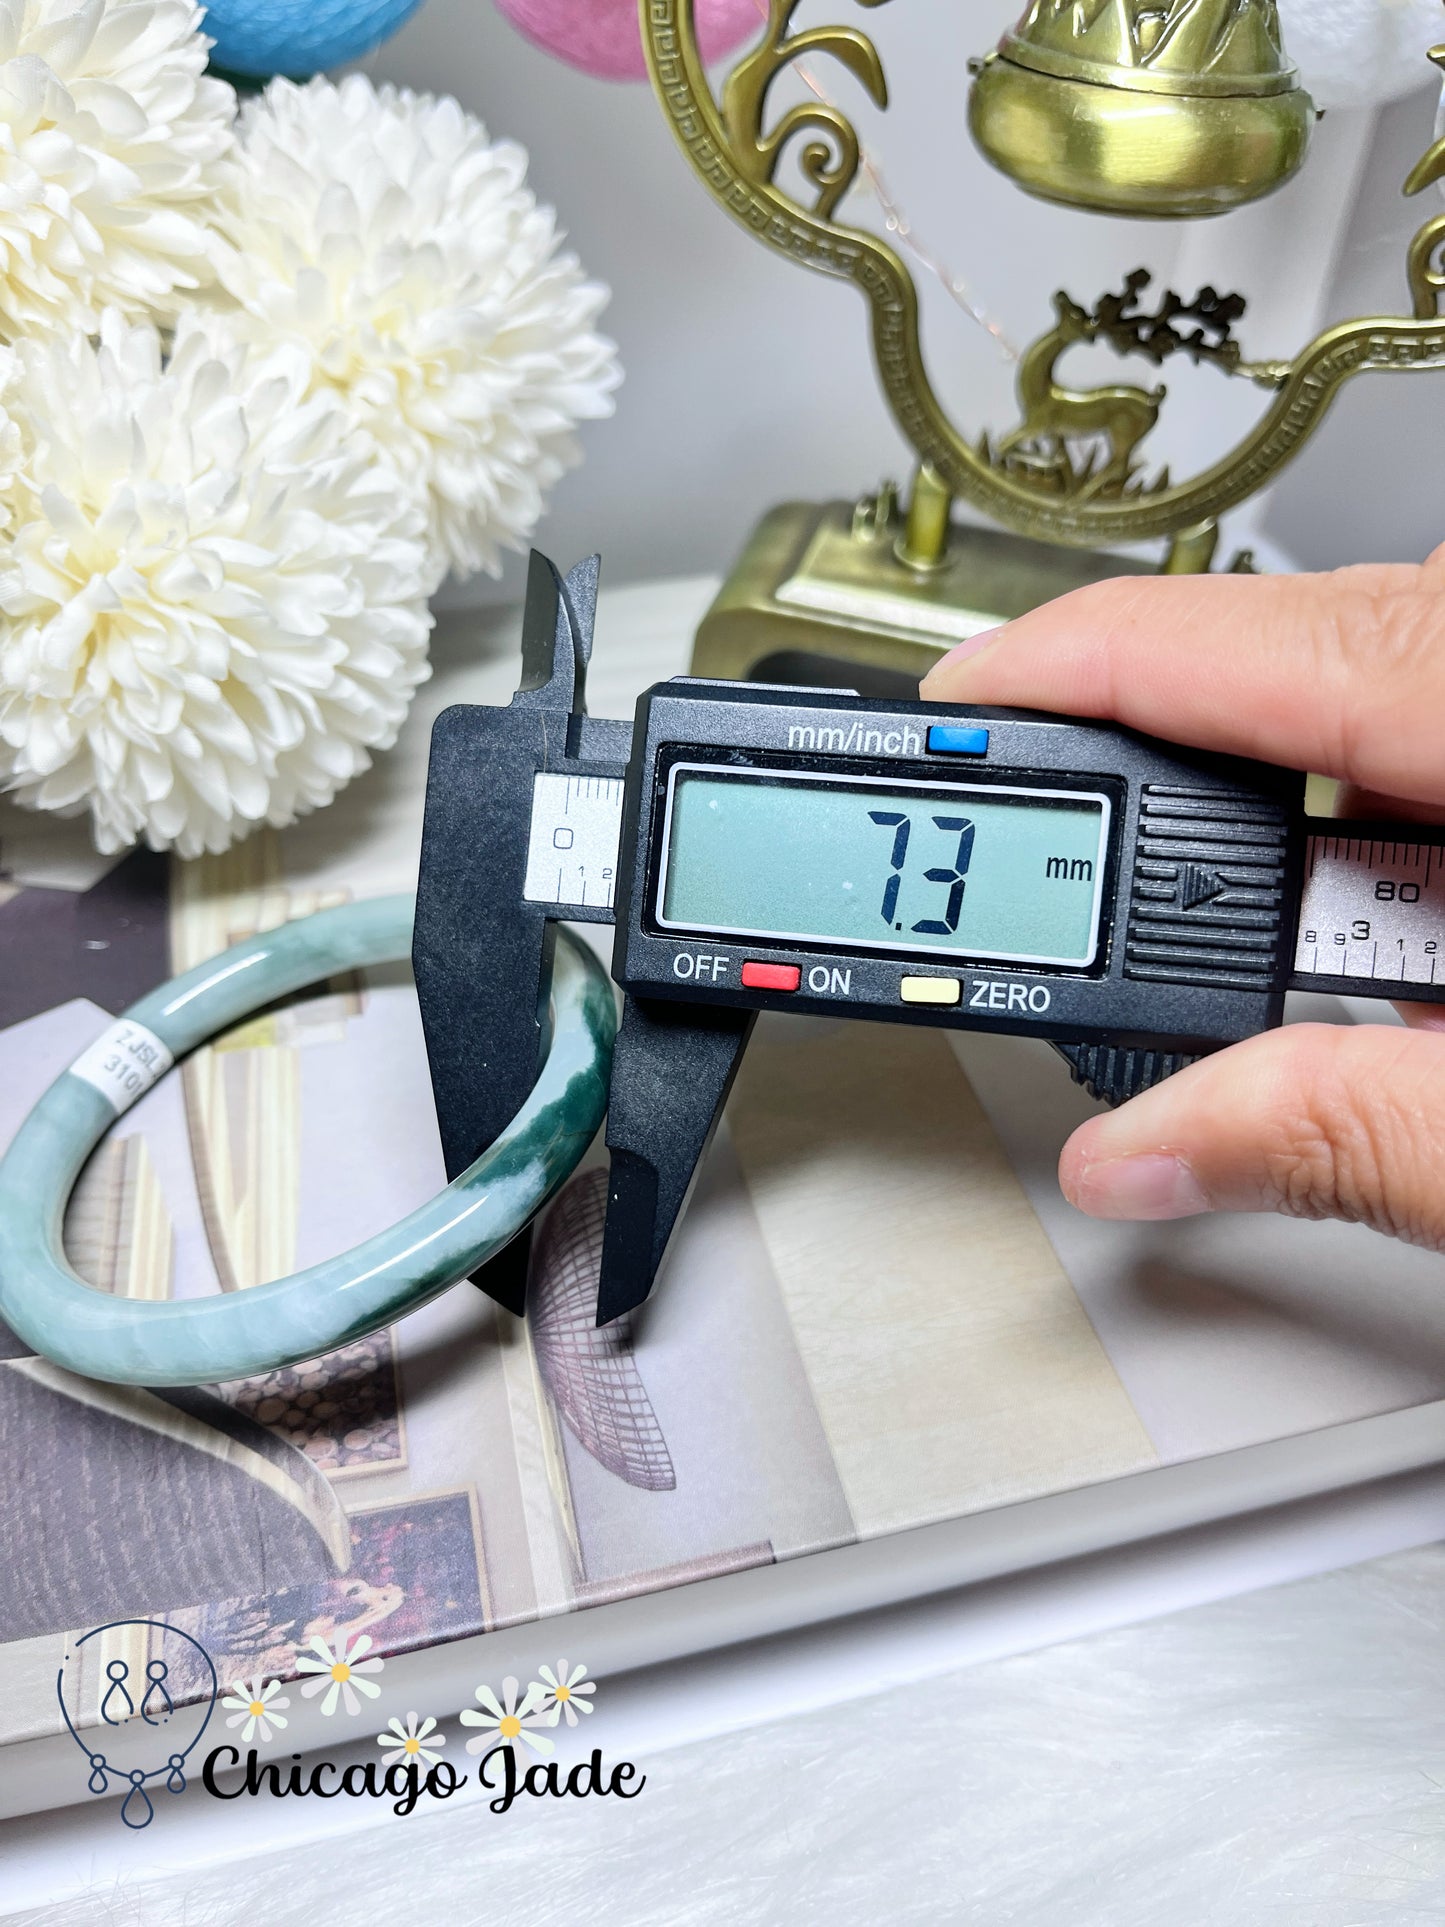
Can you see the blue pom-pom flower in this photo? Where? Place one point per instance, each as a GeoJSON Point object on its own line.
{"type": "Point", "coordinates": [259, 38]}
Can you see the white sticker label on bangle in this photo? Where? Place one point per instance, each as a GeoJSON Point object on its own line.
{"type": "Point", "coordinates": [123, 1063]}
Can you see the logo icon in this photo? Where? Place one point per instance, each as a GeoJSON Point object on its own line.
{"type": "Point", "coordinates": [136, 1701]}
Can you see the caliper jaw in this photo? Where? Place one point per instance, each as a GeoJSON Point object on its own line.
{"type": "Point", "coordinates": [671, 1074]}
{"type": "Point", "coordinates": [481, 953]}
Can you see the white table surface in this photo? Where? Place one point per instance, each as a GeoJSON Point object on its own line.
{"type": "Point", "coordinates": [1271, 1761]}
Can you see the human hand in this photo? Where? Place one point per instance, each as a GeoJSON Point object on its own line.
{"type": "Point", "coordinates": [1342, 674]}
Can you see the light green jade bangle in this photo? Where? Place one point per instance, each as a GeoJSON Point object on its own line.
{"type": "Point", "coordinates": [200, 1341]}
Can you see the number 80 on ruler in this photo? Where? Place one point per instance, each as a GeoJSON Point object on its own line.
{"type": "Point", "coordinates": [1372, 911]}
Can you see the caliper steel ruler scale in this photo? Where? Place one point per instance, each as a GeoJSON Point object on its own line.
{"type": "Point", "coordinates": [1372, 914]}
{"type": "Point", "coordinates": [1137, 905]}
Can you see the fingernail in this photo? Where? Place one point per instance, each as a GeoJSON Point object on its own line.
{"type": "Point", "coordinates": [963, 652]}
{"type": "Point", "coordinates": [1142, 1189]}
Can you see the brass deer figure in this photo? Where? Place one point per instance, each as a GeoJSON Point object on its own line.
{"type": "Point", "coordinates": [1055, 416]}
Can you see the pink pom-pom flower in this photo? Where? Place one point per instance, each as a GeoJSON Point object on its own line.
{"type": "Point", "coordinates": [603, 37]}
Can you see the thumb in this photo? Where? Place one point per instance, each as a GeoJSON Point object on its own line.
{"type": "Point", "coordinates": [1315, 1121]}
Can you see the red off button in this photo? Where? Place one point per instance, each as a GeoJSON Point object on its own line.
{"type": "Point", "coordinates": [766, 976]}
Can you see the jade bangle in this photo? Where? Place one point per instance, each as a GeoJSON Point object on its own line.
{"type": "Point", "coordinates": [202, 1341]}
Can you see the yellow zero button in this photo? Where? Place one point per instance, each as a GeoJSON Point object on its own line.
{"type": "Point", "coordinates": [931, 990]}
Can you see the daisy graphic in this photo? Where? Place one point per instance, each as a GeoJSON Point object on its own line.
{"type": "Point", "coordinates": [507, 1722]}
{"type": "Point", "coordinates": [409, 1743]}
{"type": "Point", "coordinates": [564, 1696]}
{"type": "Point", "coordinates": [339, 1672]}
{"type": "Point", "coordinates": [255, 1708]}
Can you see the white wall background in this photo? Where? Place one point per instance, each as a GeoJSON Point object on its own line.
{"type": "Point", "coordinates": [749, 381]}
{"type": "Point", "coordinates": [1371, 487]}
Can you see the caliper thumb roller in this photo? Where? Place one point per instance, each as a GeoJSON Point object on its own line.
{"type": "Point", "coordinates": [817, 852]}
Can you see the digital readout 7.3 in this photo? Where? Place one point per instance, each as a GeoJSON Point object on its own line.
{"type": "Point", "coordinates": [945, 869]}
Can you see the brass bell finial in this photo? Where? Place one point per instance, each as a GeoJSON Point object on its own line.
{"type": "Point", "coordinates": [1151, 107]}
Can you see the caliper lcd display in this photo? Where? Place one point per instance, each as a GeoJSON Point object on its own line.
{"type": "Point", "coordinates": [880, 864]}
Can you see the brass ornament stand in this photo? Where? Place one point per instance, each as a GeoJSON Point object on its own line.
{"type": "Point", "coordinates": [874, 587]}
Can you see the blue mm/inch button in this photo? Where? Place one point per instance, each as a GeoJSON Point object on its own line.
{"type": "Point", "coordinates": [957, 739]}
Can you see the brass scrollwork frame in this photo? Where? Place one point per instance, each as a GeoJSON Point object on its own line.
{"type": "Point", "coordinates": [737, 157]}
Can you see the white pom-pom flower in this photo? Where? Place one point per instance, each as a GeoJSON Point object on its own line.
{"type": "Point", "coordinates": [110, 137]}
{"type": "Point", "coordinates": [212, 587]}
{"type": "Point", "coordinates": [9, 436]}
{"type": "Point", "coordinates": [383, 232]}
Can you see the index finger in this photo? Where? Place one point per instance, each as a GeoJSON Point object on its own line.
{"type": "Point", "coordinates": [1340, 674]}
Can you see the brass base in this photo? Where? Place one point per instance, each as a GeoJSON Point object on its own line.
{"type": "Point", "coordinates": [1155, 155]}
{"type": "Point", "coordinates": [819, 595]}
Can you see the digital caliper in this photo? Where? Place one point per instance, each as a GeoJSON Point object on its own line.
{"type": "Point", "coordinates": [810, 850]}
